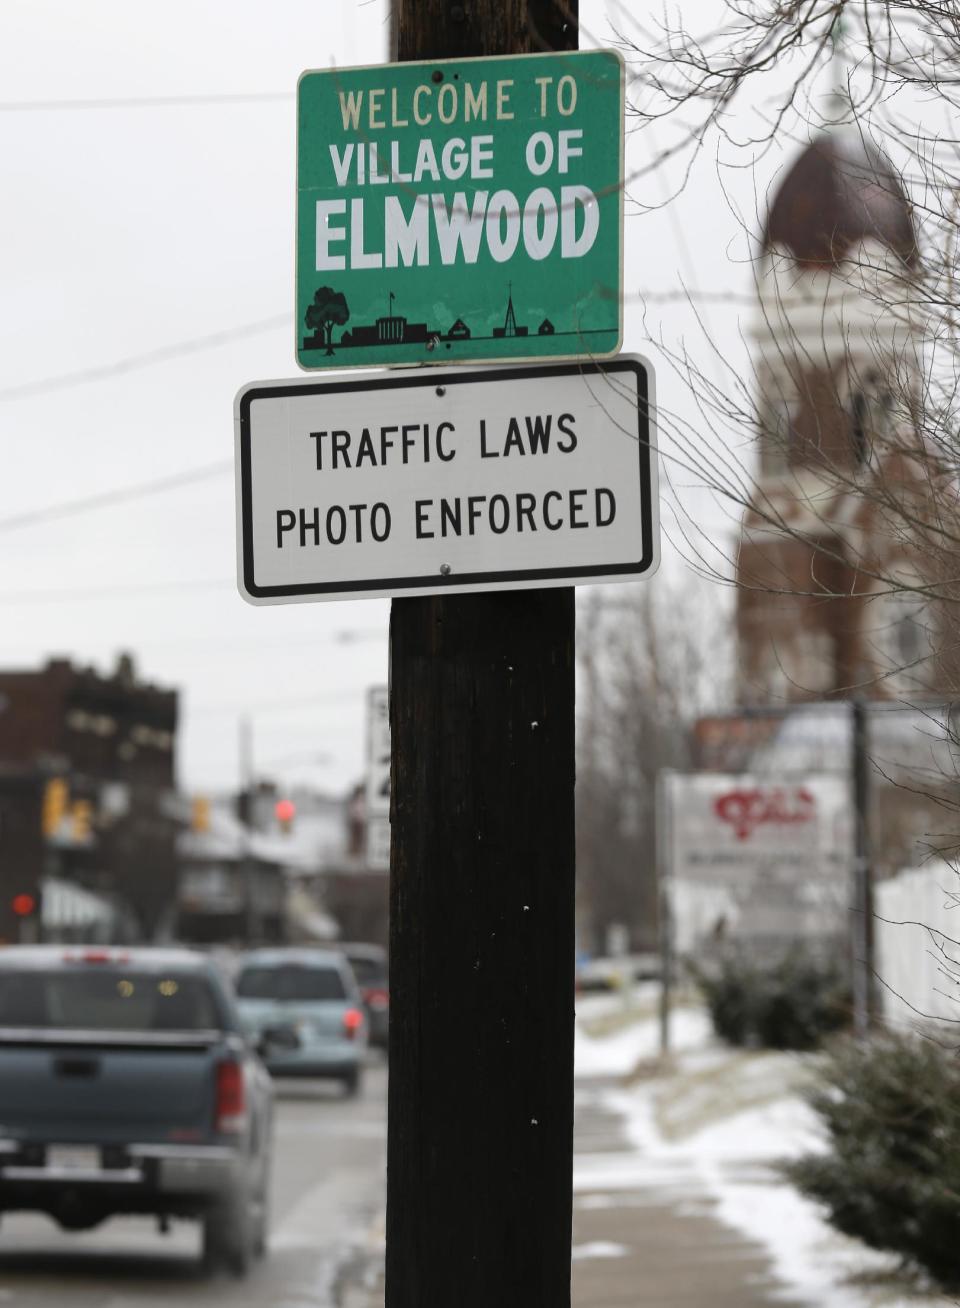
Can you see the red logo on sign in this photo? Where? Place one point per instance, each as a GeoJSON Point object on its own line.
{"type": "Point", "coordinates": [746, 810]}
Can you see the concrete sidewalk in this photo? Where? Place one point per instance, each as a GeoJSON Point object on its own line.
{"type": "Point", "coordinates": [658, 1244]}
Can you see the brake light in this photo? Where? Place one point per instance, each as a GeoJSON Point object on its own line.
{"type": "Point", "coordinates": [96, 956]}
{"type": "Point", "coordinates": [352, 1022]}
{"type": "Point", "coordinates": [230, 1115]}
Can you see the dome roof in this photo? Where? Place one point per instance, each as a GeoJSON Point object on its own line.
{"type": "Point", "coordinates": [840, 191]}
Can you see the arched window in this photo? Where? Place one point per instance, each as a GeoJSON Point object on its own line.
{"type": "Point", "coordinates": [859, 428]}
{"type": "Point", "coordinates": [777, 435]}
{"type": "Point", "coordinates": [900, 636]}
{"type": "Point", "coordinates": [871, 421]}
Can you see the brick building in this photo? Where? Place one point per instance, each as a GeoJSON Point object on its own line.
{"type": "Point", "coordinates": [842, 467]}
{"type": "Point", "coordinates": [87, 766]}
{"type": "Point", "coordinates": [829, 569]}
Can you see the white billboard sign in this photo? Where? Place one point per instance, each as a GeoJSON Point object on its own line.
{"type": "Point", "coordinates": [415, 483]}
{"type": "Point", "coordinates": [756, 858]}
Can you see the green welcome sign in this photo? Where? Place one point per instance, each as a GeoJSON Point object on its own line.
{"type": "Point", "coordinates": [465, 210]}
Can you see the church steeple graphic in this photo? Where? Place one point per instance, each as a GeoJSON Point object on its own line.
{"type": "Point", "coordinates": [510, 322]}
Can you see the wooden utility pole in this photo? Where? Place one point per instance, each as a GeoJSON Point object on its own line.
{"type": "Point", "coordinates": [480, 1151]}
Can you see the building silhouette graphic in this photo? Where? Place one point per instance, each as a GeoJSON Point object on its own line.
{"type": "Point", "coordinates": [392, 329]}
{"type": "Point", "coordinates": [396, 329]}
{"type": "Point", "coordinates": [510, 327]}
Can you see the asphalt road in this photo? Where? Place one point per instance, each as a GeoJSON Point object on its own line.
{"type": "Point", "coordinates": [328, 1185]}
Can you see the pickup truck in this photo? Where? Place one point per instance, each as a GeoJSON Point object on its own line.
{"type": "Point", "coordinates": [126, 1086]}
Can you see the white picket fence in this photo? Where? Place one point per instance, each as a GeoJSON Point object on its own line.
{"type": "Point", "coordinates": [918, 944]}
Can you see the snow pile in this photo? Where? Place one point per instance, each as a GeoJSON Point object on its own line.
{"type": "Point", "coordinates": [598, 1249]}
{"type": "Point", "coordinates": [635, 1042]}
{"type": "Point", "coordinates": [712, 1127]}
{"type": "Point", "coordinates": [732, 1162]}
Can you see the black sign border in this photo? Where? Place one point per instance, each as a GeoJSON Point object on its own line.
{"type": "Point", "coordinates": [437, 582]}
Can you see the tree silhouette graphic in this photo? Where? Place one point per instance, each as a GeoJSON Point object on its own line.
{"type": "Point", "coordinates": [329, 309]}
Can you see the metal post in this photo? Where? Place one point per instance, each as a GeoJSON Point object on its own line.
{"type": "Point", "coordinates": [862, 923]}
{"type": "Point", "coordinates": [248, 869]}
{"type": "Point", "coordinates": [662, 818]}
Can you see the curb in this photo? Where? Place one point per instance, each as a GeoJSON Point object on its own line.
{"type": "Point", "coordinates": [360, 1283]}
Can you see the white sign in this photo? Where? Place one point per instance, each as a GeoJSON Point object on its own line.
{"type": "Point", "coordinates": [378, 752]}
{"type": "Point", "coordinates": [377, 804]}
{"type": "Point", "coordinates": [756, 858]}
{"type": "Point", "coordinates": [378, 844]}
{"type": "Point", "coordinates": [418, 483]}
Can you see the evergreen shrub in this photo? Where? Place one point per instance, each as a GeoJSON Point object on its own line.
{"type": "Point", "coordinates": [791, 1002]}
{"type": "Point", "coordinates": [891, 1175]}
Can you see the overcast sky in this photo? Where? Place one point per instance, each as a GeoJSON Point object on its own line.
{"type": "Point", "coordinates": [131, 234]}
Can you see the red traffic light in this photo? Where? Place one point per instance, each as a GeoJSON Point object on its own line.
{"type": "Point", "coordinates": [285, 811]}
{"type": "Point", "coordinates": [23, 905]}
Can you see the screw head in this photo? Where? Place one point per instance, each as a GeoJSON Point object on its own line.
{"type": "Point", "coordinates": [441, 390]}
{"type": "Point", "coordinates": [445, 569]}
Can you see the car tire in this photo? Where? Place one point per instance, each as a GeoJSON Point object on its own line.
{"type": "Point", "coordinates": [352, 1083]}
{"type": "Point", "coordinates": [228, 1241]}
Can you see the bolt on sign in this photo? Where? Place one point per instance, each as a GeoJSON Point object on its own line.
{"type": "Point", "coordinates": [458, 211]}
{"type": "Point", "coordinates": [416, 482]}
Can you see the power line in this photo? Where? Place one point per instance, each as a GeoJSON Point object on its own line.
{"type": "Point", "coordinates": [290, 641]}
{"type": "Point", "coordinates": [191, 650]}
{"type": "Point", "coordinates": [693, 296]}
{"type": "Point", "coordinates": [134, 362]}
{"type": "Point", "coordinates": [288, 704]}
{"type": "Point", "coordinates": [140, 590]}
{"type": "Point", "coordinates": [164, 353]}
{"type": "Point", "coordinates": [107, 499]}
{"type": "Point", "coordinates": [145, 102]}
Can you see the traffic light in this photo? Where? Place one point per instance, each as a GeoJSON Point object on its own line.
{"type": "Point", "coordinates": [200, 814]}
{"type": "Point", "coordinates": [81, 819]}
{"type": "Point", "coordinates": [243, 807]}
{"type": "Point", "coordinates": [24, 904]}
{"type": "Point", "coordinates": [56, 798]}
{"type": "Point", "coordinates": [285, 810]}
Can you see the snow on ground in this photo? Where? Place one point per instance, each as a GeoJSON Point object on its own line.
{"type": "Point", "coordinates": [732, 1160]}
{"type": "Point", "coordinates": [632, 1042]}
{"type": "Point", "coordinates": [714, 1123]}
{"type": "Point", "coordinates": [598, 1249]}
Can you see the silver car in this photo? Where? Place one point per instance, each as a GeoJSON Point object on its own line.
{"type": "Point", "coordinates": [303, 1008]}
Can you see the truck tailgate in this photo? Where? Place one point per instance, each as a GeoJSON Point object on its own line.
{"type": "Point", "coordinates": [80, 1092]}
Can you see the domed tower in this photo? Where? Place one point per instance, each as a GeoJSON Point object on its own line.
{"type": "Point", "coordinates": [836, 358]}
